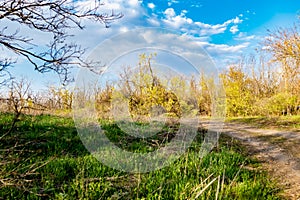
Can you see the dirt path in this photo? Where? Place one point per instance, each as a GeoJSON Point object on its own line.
{"type": "Point", "coordinates": [278, 150]}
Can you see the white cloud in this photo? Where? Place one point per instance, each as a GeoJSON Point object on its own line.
{"type": "Point", "coordinates": [134, 3]}
{"type": "Point", "coordinates": [226, 49]}
{"type": "Point", "coordinates": [134, 17]}
{"type": "Point", "coordinates": [169, 12]}
{"type": "Point", "coordinates": [237, 20]}
{"type": "Point", "coordinates": [170, 2]}
{"type": "Point", "coordinates": [153, 21]}
{"type": "Point", "coordinates": [151, 5]}
{"type": "Point", "coordinates": [196, 5]}
{"type": "Point", "coordinates": [220, 53]}
{"type": "Point", "coordinates": [176, 21]}
{"type": "Point", "coordinates": [234, 29]}
{"type": "Point", "coordinates": [208, 29]}
{"type": "Point", "coordinates": [123, 29]}
{"type": "Point", "coordinates": [130, 8]}
{"type": "Point", "coordinates": [221, 49]}
{"type": "Point", "coordinates": [199, 28]}
{"type": "Point", "coordinates": [184, 11]}
{"type": "Point", "coordinates": [244, 37]}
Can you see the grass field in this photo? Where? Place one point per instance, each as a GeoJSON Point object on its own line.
{"type": "Point", "coordinates": [280, 122]}
{"type": "Point", "coordinates": [44, 158]}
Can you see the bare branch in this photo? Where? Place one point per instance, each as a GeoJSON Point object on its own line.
{"type": "Point", "coordinates": [56, 17]}
{"type": "Point", "coordinates": [5, 75]}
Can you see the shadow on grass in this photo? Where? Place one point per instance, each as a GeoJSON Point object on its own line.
{"type": "Point", "coordinates": [44, 159]}
{"type": "Point", "coordinates": [272, 122]}
{"type": "Point", "coordinates": [45, 135]}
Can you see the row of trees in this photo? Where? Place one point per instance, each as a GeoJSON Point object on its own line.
{"type": "Point", "coordinates": [260, 86]}
{"type": "Point", "coordinates": [262, 91]}
{"type": "Point", "coordinates": [265, 84]}
{"type": "Point", "coordinates": [142, 94]}
{"type": "Point", "coordinates": [254, 86]}
{"type": "Point", "coordinates": [20, 99]}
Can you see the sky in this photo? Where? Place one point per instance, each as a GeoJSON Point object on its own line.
{"type": "Point", "coordinates": [224, 29]}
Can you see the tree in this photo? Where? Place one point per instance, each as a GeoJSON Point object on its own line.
{"type": "Point", "coordinates": [59, 98]}
{"type": "Point", "coordinates": [55, 17]}
{"type": "Point", "coordinates": [284, 45]}
{"type": "Point", "coordinates": [204, 96]}
{"type": "Point", "coordinates": [146, 93]}
{"type": "Point", "coordinates": [19, 100]}
{"type": "Point", "coordinates": [104, 101]}
{"type": "Point", "coordinates": [238, 91]}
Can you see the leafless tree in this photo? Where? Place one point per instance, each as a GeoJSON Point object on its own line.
{"type": "Point", "coordinates": [55, 17]}
{"type": "Point", "coordinates": [19, 99]}
{"type": "Point", "coordinates": [284, 45]}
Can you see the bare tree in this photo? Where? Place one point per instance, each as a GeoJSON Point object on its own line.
{"type": "Point", "coordinates": [56, 17]}
{"type": "Point", "coordinates": [19, 99]}
{"type": "Point", "coordinates": [284, 45]}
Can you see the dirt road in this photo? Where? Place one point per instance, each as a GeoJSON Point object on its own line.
{"type": "Point", "coordinates": [278, 150]}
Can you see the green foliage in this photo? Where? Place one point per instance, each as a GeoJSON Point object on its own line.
{"type": "Point", "coordinates": [145, 92]}
{"type": "Point", "coordinates": [104, 102]}
{"type": "Point", "coordinates": [243, 98]}
{"type": "Point", "coordinates": [280, 103]}
{"type": "Point", "coordinates": [140, 106]}
{"type": "Point", "coordinates": [60, 98]}
{"type": "Point", "coordinates": [204, 99]}
{"type": "Point", "coordinates": [239, 98]}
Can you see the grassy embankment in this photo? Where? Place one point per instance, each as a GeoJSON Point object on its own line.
{"type": "Point", "coordinates": [279, 122]}
{"type": "Point", "coordinates": [44, 158]}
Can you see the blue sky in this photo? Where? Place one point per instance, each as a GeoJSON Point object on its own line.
{"type": "Point", "coordinates": [226, 29]}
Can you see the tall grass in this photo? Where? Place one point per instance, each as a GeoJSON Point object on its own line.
{"type": "Point", "coordinates": [44, 158]}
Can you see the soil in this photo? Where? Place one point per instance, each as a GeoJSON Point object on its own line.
{"type": "Point", "coordinates": [279, 152]}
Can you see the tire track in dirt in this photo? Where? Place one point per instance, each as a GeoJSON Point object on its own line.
{"type": "Point", "coordinates": [279, 152]}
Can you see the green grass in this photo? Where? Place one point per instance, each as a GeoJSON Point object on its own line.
{"type": "Point", "coordinates": [44, 159]}
{"type": "Point", "coordinates": [280, 122]}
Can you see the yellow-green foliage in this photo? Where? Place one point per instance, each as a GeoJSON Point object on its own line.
{"type": "Point", "coordinates": [147, 92]}
{"type": "Point", "coordinates": [104, 102]}
{"type": "Point", "coordinates": [203, 97]}
{"type": "Point", "coordinates": [281, 102]}
{"type": "Point", "coordinates": [61, 98]}
{"type": "Point", "coordinates": [140, 106]}
{"type": "Point", "coordinates": [239, 99]}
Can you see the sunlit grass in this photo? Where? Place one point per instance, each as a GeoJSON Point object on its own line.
{"type": "Point", "coordinates": [44, 158]}
{"type": "Point", "coordinates": [279, 122]}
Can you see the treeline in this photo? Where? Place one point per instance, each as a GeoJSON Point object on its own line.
{"type": "Point", "coordinates": [260, 89]}
{"type": "Point", "coordinates": [267, 84]}
{"type": "Point", "coordinates": [252, 87]}
{"type": "Point", "coordinates": [20, 98]}
{"type": "Point", "coordinates": [260, 86]}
